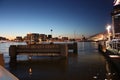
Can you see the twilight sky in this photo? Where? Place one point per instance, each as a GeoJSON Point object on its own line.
{"type": "Point", "coordinates": [65, 17]}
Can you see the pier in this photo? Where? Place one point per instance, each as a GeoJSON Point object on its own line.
{"type": "Point", "coordinates": [42, 50]}
{"type": "Point", "coordinates": [38, 50]}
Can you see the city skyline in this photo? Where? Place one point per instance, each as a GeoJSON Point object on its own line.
{"type": "Point", "coordinates": [64, 17]}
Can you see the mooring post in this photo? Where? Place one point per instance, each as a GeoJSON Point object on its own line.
{"type": "Point", "coordinates": [64, 50]}
{"type": "Point", "coordinates": [75, 48]}
{"type": "Point", "coordinates": [12, 53]}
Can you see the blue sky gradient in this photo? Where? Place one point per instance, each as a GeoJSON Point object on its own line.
{"type": "Point", "coordinates": [65, 17]}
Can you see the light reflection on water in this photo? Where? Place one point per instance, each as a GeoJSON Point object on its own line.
{"type": "Point", "coordinates": [88, 64]}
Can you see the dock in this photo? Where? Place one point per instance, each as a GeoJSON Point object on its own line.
{"type": "Point", "coordinates": [111, 52]}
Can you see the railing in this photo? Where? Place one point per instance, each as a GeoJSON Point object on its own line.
{"type": "Point", "coordinates": [112, 46]}
{"type": "Point", "coordinates": [115, 47]}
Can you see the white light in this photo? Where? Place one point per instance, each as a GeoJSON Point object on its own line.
{"type": "Point", "coordinates": [116, 2]}
{"type": "Point", "coordinates": [30, 71]}
{"type": "Point", "coordinates": [95, 77]}
{"type": "Point", "coordinates": [108, 28]}
{"type": "Point", "coordinates": [114, 56]}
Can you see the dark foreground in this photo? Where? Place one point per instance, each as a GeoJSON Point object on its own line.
{"type": "Point", "coordinates": [88, 64]}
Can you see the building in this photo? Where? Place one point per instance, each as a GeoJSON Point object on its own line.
{"type": "Point", "coordinates": [116, 19]}
{"type": "Point", "coordinates": [64, 38]}
{"type": "Point", "coordinates": [32, 38]}
{"type": "Point", "coordinates": [3, 38]}
{"type": "Point", "coordinates": [42, 37]}
{"type": "Point", "coordinates": [18, 39]}
{"type": "Point", "coordinates": [49, 36]}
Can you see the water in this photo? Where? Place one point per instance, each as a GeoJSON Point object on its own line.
{"type": "Point", "coordinates": [4, 49]}
{"type": "Point", "coordinates": [88, 64]}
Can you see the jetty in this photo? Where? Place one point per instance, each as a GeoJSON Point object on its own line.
{"type": "Point", "coordinates": [41, 50]}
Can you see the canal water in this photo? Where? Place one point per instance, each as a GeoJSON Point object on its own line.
{"type": "Point", "coordinates": [87, 64]}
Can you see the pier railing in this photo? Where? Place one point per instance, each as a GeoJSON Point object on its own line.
{"type": "Point", "coordinates": [112, 47]}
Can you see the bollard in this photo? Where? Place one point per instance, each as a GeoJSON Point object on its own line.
{"type": "Point", "coordinates": [12, 53]}
{"type": "Point", "coordinates": [64, 50]}
{"type": "Point", "coordinates": [75, 48]}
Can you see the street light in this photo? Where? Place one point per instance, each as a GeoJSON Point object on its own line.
{"type": "Point", "coordinates": [108, 30]}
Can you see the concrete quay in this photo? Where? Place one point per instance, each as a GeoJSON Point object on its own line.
{"type": "Point", "coordinates": [2, 60]}
{"type": "Point", "coordinates": [4, 73]}
{"type": "Point", "coordinates": [112, 56]}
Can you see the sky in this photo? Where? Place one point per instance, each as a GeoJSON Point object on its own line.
{"type": "Point", "coordinates": [65, 17]}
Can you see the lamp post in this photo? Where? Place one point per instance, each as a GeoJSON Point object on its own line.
{"type": "Point", "coordinates": [51, 32]}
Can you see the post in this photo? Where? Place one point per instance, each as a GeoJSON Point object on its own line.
{"type": "Point", "coordinates": [64, 50]}
{"type": "Point", "coordinates": [12, 53]}
{"type": "Point", "coordinates": [75, 48]}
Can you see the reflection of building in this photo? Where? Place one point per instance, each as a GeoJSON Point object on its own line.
{"type": "Point", "coordinates": [116, 19]}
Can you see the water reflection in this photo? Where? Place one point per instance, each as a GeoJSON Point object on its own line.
{"type": "Point", "coordinates": [30, 71]}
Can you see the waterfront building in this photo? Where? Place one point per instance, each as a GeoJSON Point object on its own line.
{"type": "Point", "coordinates": [49, 36]}
{"type": "Point", "coordinates": [3, 38]}
{"type": "Point", "coordinates": [116, 19]}
{"type": "Point", "coordinates": [32, 38]}
{"type": "Point", "coordinates": [18, 39]}
{"type": "Point", "coordinates": [64, 38]}
{"type": "Point", "coordinates": [42, 37]}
